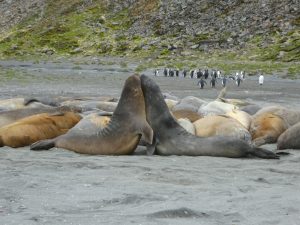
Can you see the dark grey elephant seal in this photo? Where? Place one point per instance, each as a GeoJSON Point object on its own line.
{"type": "Point", "coordinates": [122, 134]}
{"type": "Point", "coordinates": [171, 139]}
{"type": "Point", "coordinates": [290, 139]}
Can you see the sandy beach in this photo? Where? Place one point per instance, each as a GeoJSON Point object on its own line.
{"type": "Point", "coordinates": [62, 187]}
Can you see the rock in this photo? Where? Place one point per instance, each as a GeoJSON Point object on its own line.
{"type": "Point", "coordinates": [47, 51]}
{"type": "Point", "coordinates": [194, 46]}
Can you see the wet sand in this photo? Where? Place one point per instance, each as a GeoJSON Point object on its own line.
{"type": "Point", "coordinates": [62, 187]}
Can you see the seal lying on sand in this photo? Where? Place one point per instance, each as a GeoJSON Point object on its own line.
{"type": "Point", "coordinates": [171, 139]}
{"type": "Point", "coordinates": [221, 125]}
{"type": "Point", "coordinates": [122, 134]}
{"type": "Point", "coordinates": [290, 138]}
{"type": "Point", "coordinates": [37, 127]}
{"type": "Point", "coordinates": [270, 122]}
{"type": "Point", "coordinates": [11, 116]}
{"type": "Point", "coordinates": [191, 115]}
{"type": "Point", "coordinates": [18, 103]}
{"type": "Point", "coordinates": [266, 128]}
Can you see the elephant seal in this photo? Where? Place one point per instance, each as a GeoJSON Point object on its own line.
{"type": "Point", "coordinates": [18, 103]}
{"type": "Point", "coordinates": [266, 128]}
{"type": "Point", "coordinates": [171, 139]}
{"type": "Point", "coordinates": [11, 116]}
{"type": "Point", "coordinates": [190, 103]}
{"type": "Point", "coordinates": [250, 109]}
{"type": "Point", "coordinates": [122, 134]}
{"type": "Point", "coordinates": [289, 115]}
{"type": "Point", "coordinates": [289, 139]}
{"type": "Point", "coordinates": [191, 115]}
{"type": "Point", "coordinates": [187, 125]}
{"type": "Point", "coordinates": [215, 108]}
{"type": "Point", "coordinates": [221, 125]}
{"type": "Point", "coordinates": [241, 116]}
{"type": "Point", "coordinates": [91, 123]}
{"type": "Point", "coordinates": [37, 127]}
{"type": "Point", "coordinates": [89, 105]}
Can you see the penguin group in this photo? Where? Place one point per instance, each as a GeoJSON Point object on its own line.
{"type": "Point", "coordinates": [203, 75]}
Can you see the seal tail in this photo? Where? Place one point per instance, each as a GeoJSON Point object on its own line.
{"type": "Point", "coordinates": [43, 145]}
{"type": "Point", "coordinates": [263, 153]}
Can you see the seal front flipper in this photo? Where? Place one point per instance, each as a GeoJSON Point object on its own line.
{"type": "Point", "coordinates": [43, 145]}
{"type": "Point", "coordinates": [147, 133]}
{"type": "Point", "coordinates": [151, 148]}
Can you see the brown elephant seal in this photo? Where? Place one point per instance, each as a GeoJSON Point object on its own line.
{"type": "Point", "coordinates": [187, 125]}
{"type": "Point", "coordinates": [122, 134]}
{"type": "Point", "coordinates": [215, 108]}
{"type": "Point", "coordinates": [37, 127]}
{"type": "Point", "coordinates": [291, 116]}
{"type": "Point", "coordinates": [89, 105]}
{"type": "Point", "coordinates": [91, 123]}
{"type": "Point", "coordinates": [171, 139]}
{"type": "Point", "coordinates": [11, 116]}
{"type": "Point", "coordinates": [241, 116]}
{"type": "Point", "coordinates": [18, 103]}
{"type": "Point", "coordinates": [266, 128]}
{"type": "Point", "coordinates": [221, 125]}
{"type": "Point", "coordinates": [290, 139]}
{"type": "Point", "coordinates": [191, 115]}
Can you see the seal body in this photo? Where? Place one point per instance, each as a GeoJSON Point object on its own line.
{"type": "Point", "coordinates": [241, 116]}
{"type": "Point", "coordinates": [290, 139]}
{"type": "Point", "coordinates": [11, 116]}
{"type": "Point", "coordinates": [221, 126]}
{"type": "Point", "coordinates": [171, 139]}
{"type": "Point", "coordinates": [215, 108]}
{"type": "Point", "coordinates": [37, 127]}
{"type": "Point", "coordinates": [190, 115]}
{"type": "Point", "coordinates": [266, 128]}
{"type": "Point", "coordinates": [121, 135]}
{"type": "Point", "coordinates": [270, 122]}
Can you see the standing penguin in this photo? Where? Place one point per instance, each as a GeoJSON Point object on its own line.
{"type": "Point", "coordinates": [177, 72]}
{"type": "Point", "coordinates": [219, 74]}
{"type": "Point", "coordinates": [261, 79]}
{"type": "Point", "coordinates": [224, 81]}
{"type": "Point", "coordinates": [206, 74]}
{"type": "Point", "coordinates": [156, 73]}
{"type": "Point", "coordinates": [238, 81]}
{"type": "Point", "coordinates": [213, 82]}
{"type": "Point", "coordinates": [184, 73]}
{"type": "Point", "coordinates": [201, 83]}
{"type": "Point", "coordinates": [199, 74]}
{"type": "Point", "coordinates": [166, 71]}
{"type": "Point", "coordinates": [192, 74]}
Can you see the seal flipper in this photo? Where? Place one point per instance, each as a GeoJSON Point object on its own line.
{"type": "Point", "coordinates": [1, 142]}
{"type": "Point", "coordinates": [43, 145]}
{"type": "Point", "coordinates": [152, 147]}
{"type": "Point", "coordinates": [147, 133]}
{"type": "Point", "coordinates": [263, 153]}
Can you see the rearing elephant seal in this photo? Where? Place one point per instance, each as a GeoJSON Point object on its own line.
{"type": "Point", "coordinates": [171, 139]}
{"type": "Point", "coordinates": [122, 134]}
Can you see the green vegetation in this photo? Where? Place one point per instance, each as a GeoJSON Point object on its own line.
{"type": "Point", "coordinates": [75, 28]}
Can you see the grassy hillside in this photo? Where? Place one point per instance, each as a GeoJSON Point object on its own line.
{"type": "Point", "coordinates": [96, 28]}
